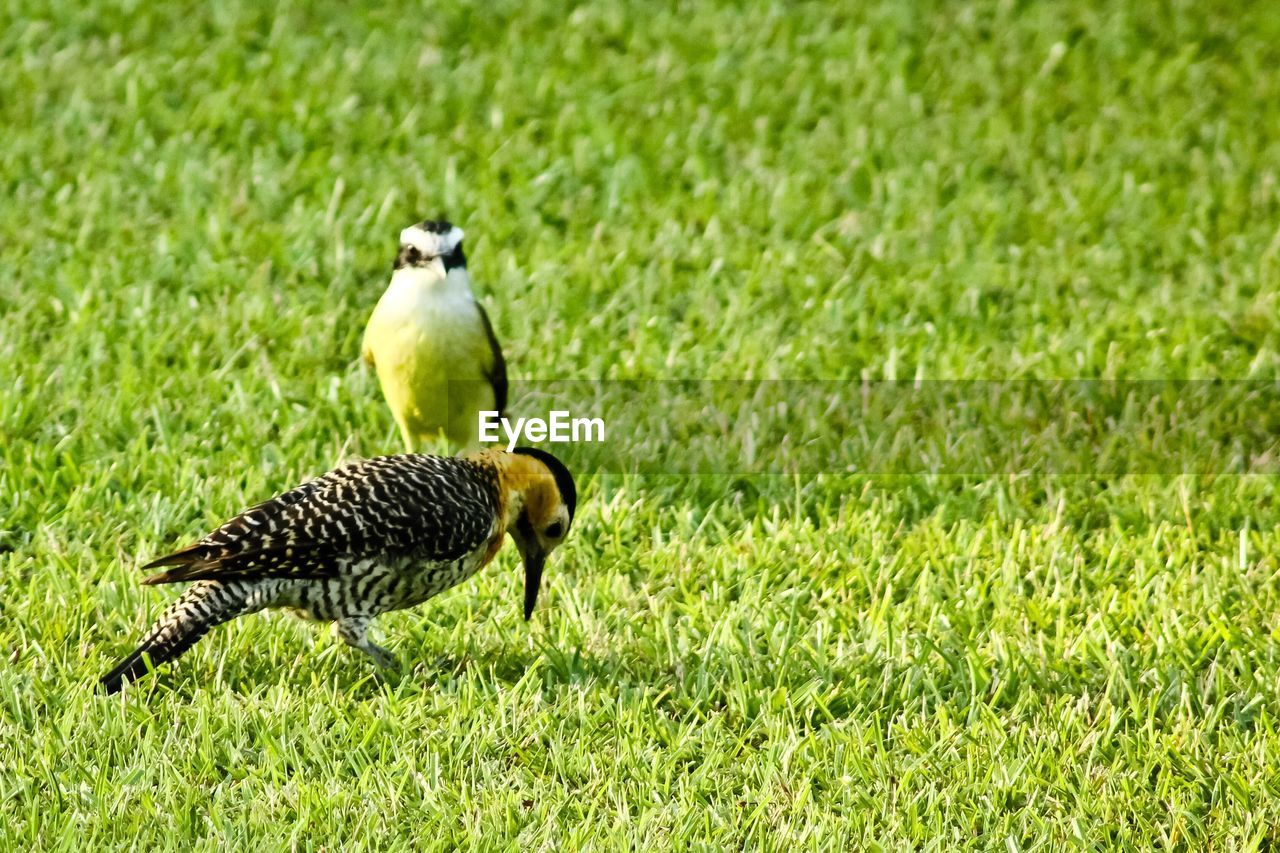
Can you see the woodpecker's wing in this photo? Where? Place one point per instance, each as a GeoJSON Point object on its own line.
{"type": "Point", "coordinates": [433, 508]}
{"type": "Point", "coordinates": [498, 370]}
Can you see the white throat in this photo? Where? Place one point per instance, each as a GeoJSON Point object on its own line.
{"type": "Point", "coordinates": [431, 282]}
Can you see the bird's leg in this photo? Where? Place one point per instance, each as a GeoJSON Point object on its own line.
{"type": "Point", "coordinates": [354, 631]}
{"type": "Point", "coordinates": [410, 445]}
{"type": "Point", "coordinates": [438, 443]}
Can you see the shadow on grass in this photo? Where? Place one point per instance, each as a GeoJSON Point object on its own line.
{"type": "Point", "coordinates": [350, 673]}
{"type": "Point", "coordinates": [740, 686]}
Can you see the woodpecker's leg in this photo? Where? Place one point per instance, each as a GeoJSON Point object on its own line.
{"type": "Point", "coordinates": [354, 631]}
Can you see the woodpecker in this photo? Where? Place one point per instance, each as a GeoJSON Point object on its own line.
{"type": "Point", "coordinates": [378, 535]}
{"type": "Point", "coordinates": [432, 344]}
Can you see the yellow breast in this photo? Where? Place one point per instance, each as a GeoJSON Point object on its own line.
{"type": "Point", "coordinates": [433, 360]}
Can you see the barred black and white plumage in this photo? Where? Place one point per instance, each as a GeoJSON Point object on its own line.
{"type": "Point", "coordinates": [378, 535]}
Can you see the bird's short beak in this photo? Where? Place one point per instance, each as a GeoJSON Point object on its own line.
{"type": "Point", "coordinates": [534, 560]}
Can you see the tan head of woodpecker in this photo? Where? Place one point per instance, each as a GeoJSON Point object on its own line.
{"type": "Point", "coordinates": [539, 499]}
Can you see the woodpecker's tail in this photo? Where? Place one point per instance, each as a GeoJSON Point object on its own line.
{"type": "Point", "coordinates": [204, 605]}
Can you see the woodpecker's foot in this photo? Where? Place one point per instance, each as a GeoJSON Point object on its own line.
{"type": "Point", "coordinates": [354, 631]}
{"type": "Point", "coordinates": [383, 658]}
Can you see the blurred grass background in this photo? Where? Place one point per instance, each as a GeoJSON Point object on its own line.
{"type": "Point", "coordinates": [201, 208]}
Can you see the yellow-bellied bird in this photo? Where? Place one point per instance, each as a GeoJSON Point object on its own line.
{"type": "Point", "coordinates": [382, 534]}
{"type": "Point", "coordinates": [432, 344]}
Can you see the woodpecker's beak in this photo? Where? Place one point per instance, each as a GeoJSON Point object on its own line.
{"type": "Point", "coordinates": [534, 560]}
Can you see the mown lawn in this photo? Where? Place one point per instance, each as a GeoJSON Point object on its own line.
{"type": "Point", "coordinates": [199, 210]}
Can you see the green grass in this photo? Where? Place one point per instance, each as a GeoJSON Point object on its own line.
{"type": "Point", "coordinates": [200, 208]}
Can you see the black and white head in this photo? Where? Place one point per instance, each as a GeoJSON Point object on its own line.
{"type": "Point", "coordinates": [435, 244]}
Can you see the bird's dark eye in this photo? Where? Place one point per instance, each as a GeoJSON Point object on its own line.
{"type": "Point", "coordinates": [413, 255]}
{"type": "Point", "coordinates": [555, 530]}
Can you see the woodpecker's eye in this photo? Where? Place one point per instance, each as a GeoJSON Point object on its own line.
{"type": "Point", "coordinates": [413, 255]}
{"type": "Point", "coordinates": [555, 530]}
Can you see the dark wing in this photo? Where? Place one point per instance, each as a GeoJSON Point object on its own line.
{"type": "Point", "coordinates": [432, 508]}
{"type": "Point", "coordinates": [497, 373]}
